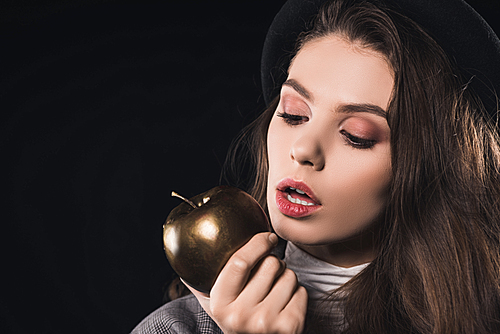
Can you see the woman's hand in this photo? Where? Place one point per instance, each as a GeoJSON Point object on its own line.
{"type": "Point", "coordinates": [256, 293]}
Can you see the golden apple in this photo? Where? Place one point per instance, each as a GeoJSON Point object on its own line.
{"type": "Point", "coordinates": [202, 233]}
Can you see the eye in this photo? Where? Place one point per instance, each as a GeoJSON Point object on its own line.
{"type": "Point", "coordinates": [356, 142]}
{"type": "Point", "coordinates": [291, 119]}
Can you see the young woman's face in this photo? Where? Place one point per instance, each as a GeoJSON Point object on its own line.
{"type": "Point", "coordinates": [328, 147]}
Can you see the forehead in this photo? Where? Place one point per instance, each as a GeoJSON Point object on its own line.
{"type": "Point", "coordinates": [335, 69]}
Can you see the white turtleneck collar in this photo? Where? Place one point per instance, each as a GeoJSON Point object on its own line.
{"type": "Point", "coordinates": [319, 278]}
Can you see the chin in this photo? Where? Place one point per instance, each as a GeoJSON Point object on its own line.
{"type": "Point", "coordinates": [305, 232]}
{"type": "Point", "coordinates": [300, 232]}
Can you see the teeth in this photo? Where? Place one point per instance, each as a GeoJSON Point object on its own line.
{"type": "Point", "coordinates": [298, 201]}
{"type": "Point", "coordinates": [298, 190]}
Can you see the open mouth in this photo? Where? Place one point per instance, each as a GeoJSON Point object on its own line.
{"type": "Point", "coordinates": [298, 196]}
{"type": "Point", "coordinates": [295, 199]}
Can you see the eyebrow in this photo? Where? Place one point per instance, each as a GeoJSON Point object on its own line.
{"type": "Point", "coordinates": [349, 108]}
{"type": "Point", "coordinates": [362, 107]}
{"type": "Point", "coordinates": [298, 88]}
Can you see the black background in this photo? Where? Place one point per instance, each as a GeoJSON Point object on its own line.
{"type": "Point", "coordinates": [106, 107]}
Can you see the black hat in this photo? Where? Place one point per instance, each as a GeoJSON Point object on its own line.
{"type": "Point", "coordinates": [457, 27]}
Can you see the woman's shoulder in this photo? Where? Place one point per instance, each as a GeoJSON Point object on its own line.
{"type": "Point", "coordinates": [183, 315]}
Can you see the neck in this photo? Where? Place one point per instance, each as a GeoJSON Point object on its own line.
{"type": "Point", "coordinates": [347, 253]}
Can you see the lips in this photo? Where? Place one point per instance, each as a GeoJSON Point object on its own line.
{"type": "Point", "coordinates": [295, 199]}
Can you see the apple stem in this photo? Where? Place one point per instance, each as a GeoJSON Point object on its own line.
{"type": "Point", "coordinates": [174, 194]}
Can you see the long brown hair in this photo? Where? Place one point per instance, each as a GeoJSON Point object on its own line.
{"type": "Point", "coordinates": [438, 268]}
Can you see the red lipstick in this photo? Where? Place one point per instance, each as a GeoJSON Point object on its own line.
{"type": "Point", "coordinates": [295, 199]}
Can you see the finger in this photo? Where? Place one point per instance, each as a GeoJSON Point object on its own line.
{"type": "Point", "coordinates": [283, 290]}
{"type": "Point", "coordinates": [235, 274]}
{"type": "Point", "coordinates": [292, 317]}
{"type": "Point", "coordinates": [262, 279]}
{"type": "Point", "coordinates": [298, 303]}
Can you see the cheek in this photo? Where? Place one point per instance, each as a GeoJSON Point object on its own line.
{"type": "Point", "coordinates": [372, 185]}
{"type": "Point", "coordinates": [277, 147]}
{"type": "Point", "coordinates": [359, 188]}
{"type": "Point", "coordinates": [357, 206]}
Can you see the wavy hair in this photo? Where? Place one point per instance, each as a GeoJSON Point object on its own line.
{"type": "Point", "coordinates": [438, 266]}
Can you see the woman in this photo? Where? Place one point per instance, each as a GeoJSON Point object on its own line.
{"type": "Point", "coordinates": [379, 162]}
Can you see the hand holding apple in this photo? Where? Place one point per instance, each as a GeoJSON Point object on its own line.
{"type": "Point", "coordinates": [202, 233]}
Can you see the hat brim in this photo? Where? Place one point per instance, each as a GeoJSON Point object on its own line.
{"type": "Point", "coordinates": [463, 34]}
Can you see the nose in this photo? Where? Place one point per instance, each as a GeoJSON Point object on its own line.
{"type": "Point", "coordinates": [307, 151]}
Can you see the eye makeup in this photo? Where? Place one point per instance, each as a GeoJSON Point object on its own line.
{"type": "Point", "coordinates": [355, 126]}
{"type": "Point", "coordinates": [360, 132]}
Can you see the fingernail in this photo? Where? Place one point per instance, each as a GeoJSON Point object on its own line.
{"type": "Point", "coordinates": [273, 238]}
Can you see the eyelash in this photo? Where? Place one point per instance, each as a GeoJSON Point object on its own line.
{"type": "Point", "coordinates": [356, 142]}
{"type": "Point", "coordinates": [291, 119]}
